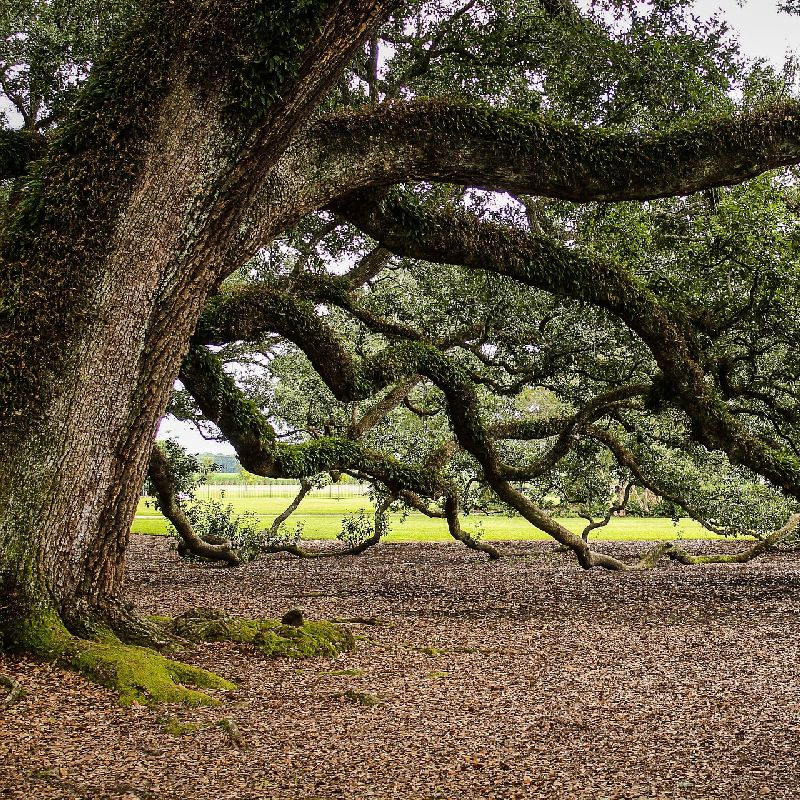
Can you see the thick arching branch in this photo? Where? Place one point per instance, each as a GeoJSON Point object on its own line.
{"type": "Point", "coordinates": [533, 154]}
{"type": "Point", "coordinates": [249, 431]}
{"type": "Point", "coordinates": [460, 238]}
{"type": "Point", "coordinates": [378, 410]}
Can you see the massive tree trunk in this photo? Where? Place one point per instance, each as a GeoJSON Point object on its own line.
{"type": "Point", "coordinates": [70, 485]}
{"type": "Point", "coordinates": [139, 210]}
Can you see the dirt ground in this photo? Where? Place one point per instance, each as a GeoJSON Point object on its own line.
{"type": "Point", "coordinates": [527, 678]}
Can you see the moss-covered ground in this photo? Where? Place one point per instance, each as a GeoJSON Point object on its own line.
{"type": "Point", "coordinates": [143, 676]}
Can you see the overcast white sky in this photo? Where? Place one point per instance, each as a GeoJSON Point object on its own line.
{"type": "Point", "coordinates": [762, 31]}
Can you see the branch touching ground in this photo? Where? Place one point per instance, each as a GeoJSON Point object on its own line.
{"type": "Point", "coordinates": [758, 548]}
{"type": "Point", "coordinates": [278, 546]}
{"type": "Point", "coordinates": [456, 531]}
{"type": "Point", "coordinates": [140, 675]}
{"type": "Point", "coordinates": [381, 528]}
{"type": "Point", "coordinates": [163, 484]}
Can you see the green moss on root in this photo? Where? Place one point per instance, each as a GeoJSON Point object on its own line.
{"type": "Point", "coordinates": [137, 674]}
{"type": "Point", "coordinates": [141, 675]}
{"type": "Point", "coordinates": [44, 635]}
{"type": "Point", "coordinates": [269, 637]}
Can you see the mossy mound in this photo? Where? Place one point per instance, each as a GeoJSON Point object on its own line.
{"type": "Point", "coordinates": [269, 637]}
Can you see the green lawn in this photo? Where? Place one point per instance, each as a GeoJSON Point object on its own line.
{"type": "Point", "coordinates": [322, 516]}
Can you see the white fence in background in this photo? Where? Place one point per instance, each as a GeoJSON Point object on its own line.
{"type": "Point", "coordinates": [333, 491]}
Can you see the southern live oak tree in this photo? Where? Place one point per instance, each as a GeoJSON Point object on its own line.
{"type": "Point", "coordinates": [209, 128]}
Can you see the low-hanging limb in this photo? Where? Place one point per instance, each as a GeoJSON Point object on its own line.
{"type": "Point", "coordinates": [241, 315]}
{"type": "Point", "coordinates": [356, 379]}
{"type": "Point", "coordinates": [163, 483]}
{"type": "Point", "coordinates": [275, 544]}
{"type": "Point", "coordinates": [380, 529]}
{"type": "Point", "coordinates": [451, 513]}
{"type": "Point", "coordinates": [759, 547]}
{"type": "Point", "coordinates": [350, 379]}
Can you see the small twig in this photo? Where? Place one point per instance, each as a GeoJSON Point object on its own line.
{"type": "Point", "coordinates": [15, 690]}
{"type": "Point", "coordinates": [232, 729]}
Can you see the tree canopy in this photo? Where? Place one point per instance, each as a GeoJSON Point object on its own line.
{"type": "Point", "coordinates": [401, 316]}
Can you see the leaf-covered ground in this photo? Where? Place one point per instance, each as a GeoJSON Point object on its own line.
{"type": "Point", "coordinates": [527, 678]}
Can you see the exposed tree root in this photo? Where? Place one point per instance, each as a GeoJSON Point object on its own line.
{"type": "Point", "coordinates": [269, 637]}
{"type": "Point", "coordinates": [142, 675]}
{"type": "Point", "coordinates": [118, 617]}
{"type": "Point", "coordinates": [137, 674]}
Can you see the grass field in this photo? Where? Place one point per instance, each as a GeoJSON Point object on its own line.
{"type": "Point", "coordinates": [321, 517]}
